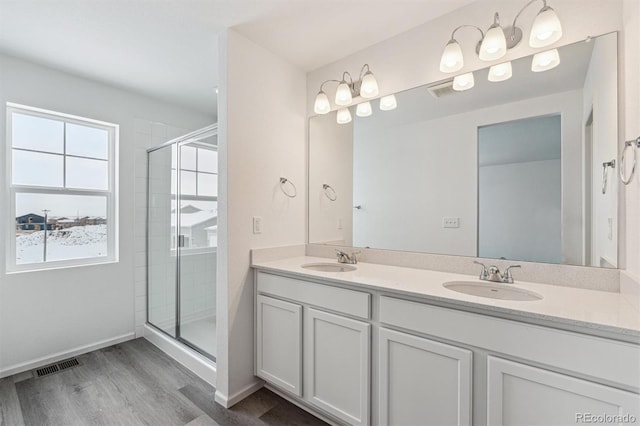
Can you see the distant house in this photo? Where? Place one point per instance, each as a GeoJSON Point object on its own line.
{"type": "Point", "coordinates": [31, 222]}
{"type": "Point", "coordinates": [193, 227]}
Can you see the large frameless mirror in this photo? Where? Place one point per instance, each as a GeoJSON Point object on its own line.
{"type": "Point", "coordinates": [519, 169]}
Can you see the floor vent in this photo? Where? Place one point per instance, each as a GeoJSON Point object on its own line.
{"type": "Point", "coordinates": [68, 364]}
{"type": "Point", "coordinates": [56, 368]}
{"type": "Point", "coordinates": [45, 371]}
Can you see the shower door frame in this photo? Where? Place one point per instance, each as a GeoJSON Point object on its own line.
{"type": "Point", "coordinates": [211, 130]}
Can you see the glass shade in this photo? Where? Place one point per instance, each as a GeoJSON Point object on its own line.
{"type": "Point", "coordinates": [321, 105]}
{"type": "Point", "coordinates": [343, 94]}
{"type": "Point", "coordinates": [387, 103]}
{"type": "Point", "coordinates": [546, 29]}
{"type": "Point", "coordinates": [463, 82]}
{"type": "Point", "coordinates": [369, 87]}
{"type": "Point", "coordinates": [545, 61]}
{"type": "Point", "coordinates": [452, 59]}
{"type": "Point", "coordinates": [500, 72]}
{"type": "Point", "coordinates": [364, 109]}
{"type": "Point", "coordinates": [344, 116]}
{"type": "Point", "coordinates": [494, 44]}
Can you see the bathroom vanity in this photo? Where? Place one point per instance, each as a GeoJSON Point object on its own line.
{"type": "Point", "coordinates": [387, 345]}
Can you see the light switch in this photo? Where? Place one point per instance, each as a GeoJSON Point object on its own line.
{"type": "Point", "coordinates": [257, 225]}
{"type": "Point", "coordinates": [451, 222]}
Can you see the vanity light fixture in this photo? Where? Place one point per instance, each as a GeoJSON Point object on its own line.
{"type": "Point", "coordinates": [500, 72]}
{"type": "Point", "coordinates": [366, 86]}
{"type": "Point", "coordinates": [463, 82]}
{"type": "Point", "coordinates": [344, 116]}
{"type": "Point", "coordinates": [546, 30]}
{"type": "Point", "coordinates": [364, 109]}
{"type": "Point", "coordinates": [545, 61]}
{"type": "Point", "coordinates": [387, 103]}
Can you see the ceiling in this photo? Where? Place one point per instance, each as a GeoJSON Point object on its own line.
{"type": "Point", "coordinates": [168, 48]}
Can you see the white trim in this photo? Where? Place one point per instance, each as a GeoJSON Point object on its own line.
{"type": "Point", "coordinates": [195, 362]}
{"type": "Point", "coordinates": [39, 362]}
{"type": "Point", "coordinates": [228, 402]}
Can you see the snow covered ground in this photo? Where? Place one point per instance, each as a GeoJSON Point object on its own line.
{"type": "Point", "coordinates": [77, 242]}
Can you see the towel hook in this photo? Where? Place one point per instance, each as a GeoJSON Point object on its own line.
{"type": "Point", "coordinates": [634, 145]}
{"type": "Point", "coordinates": [329, 192]}
{"type": "Point", "coordinates": [292, 191]}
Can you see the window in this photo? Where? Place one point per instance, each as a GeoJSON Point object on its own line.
{"type": "Point", "coordinates": [62, 189]}
{"type": "Point", "coordinates": [197, 197]}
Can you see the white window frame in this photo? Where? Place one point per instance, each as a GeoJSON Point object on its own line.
{"type": "Point", "coordinates": [111, 193]}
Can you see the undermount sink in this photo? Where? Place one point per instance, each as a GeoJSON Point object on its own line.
{"type": "Point", "coordinates": [329, 267]}
{"type": "Point", "coordinates": [492, 290]}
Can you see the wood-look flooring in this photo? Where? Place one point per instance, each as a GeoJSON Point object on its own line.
{"type": "Point", "coordinates": [134, 383]}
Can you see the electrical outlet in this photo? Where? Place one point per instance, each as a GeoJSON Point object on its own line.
{"type": "Point", "coordinates": [451, 222]}
{"type": "Point", "coordinates": [257, 225]}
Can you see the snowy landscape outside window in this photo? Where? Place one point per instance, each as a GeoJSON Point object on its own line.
{"type": "Point", "coordinates": [62, 188]}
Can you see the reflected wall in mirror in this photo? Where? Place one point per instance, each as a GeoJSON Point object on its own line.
{"type": "Point", "coordinates": [510, 169]}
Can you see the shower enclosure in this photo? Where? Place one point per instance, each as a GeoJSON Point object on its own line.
{"type": "Point", "coordinates": [182, 239]}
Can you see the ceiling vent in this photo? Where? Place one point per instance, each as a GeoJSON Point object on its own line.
{"type": "Point", "coordinates": [444, 88]}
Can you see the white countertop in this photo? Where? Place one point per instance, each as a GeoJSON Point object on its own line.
{"type": "Point", "coordinates": [589, 311]}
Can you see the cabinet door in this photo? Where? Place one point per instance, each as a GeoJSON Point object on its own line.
{"type": "Point", "coordinates": [423, 382]}
{"type": "Point", "coordinates": [279, 343]}
{"type": "Point", "coordinates": [337, 365]}
{"type": "Point", "coordinates": [519, 394]}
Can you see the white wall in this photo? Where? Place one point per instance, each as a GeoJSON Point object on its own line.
{"type": "Point", "coordinates": [262, 137]}
{"type": "Point", "coordinates": [426, 179]}
{"type": "Point", "coordinates": [631, 130]}
{"type": "Point", "coordinates": [330, 162]}
{"type": "Point", "coordinates": [57, 311]}
{"type": "Point", "coordinates": [519, 211]}
{"type": "Point", "coordinates": [600, 94]}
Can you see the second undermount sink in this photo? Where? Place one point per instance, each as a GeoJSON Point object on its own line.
{"type": "Point", "coordinates": [492, 290]}
{"type": "Point", "coordinates": [329, 267]}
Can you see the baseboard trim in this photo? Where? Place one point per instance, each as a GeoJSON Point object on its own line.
{"type": "Point", "coordinates": [39, 362]}
{"type": "Point", "coordinates": [228, 402]}
{"type": "Point", "coordinates": [200, 365]}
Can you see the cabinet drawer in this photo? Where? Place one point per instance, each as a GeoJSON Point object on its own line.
{"type": "Point", "coordinates": [568, 351]}
{"type": "Point", "coordinates": [336, 299]}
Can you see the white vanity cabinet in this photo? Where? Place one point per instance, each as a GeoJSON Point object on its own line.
{"type": "Point", "coordinates": [377, 357]}
{"type": "Point", "coordinates": [521, 394]}
{"type": "Point", "coordinates": [337, 362]}
{"type": "Point", "coordinates": [279, 343]}
{"type": "Point", "coordinates": [422, 381]}
{"type": "Point", "coordinates": [314, 342]}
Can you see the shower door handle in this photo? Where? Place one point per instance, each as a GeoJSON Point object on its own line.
{"type": "Point", "coordinates": [180, 240]}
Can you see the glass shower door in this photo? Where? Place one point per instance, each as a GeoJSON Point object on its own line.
{"type": "Point", "coordinates": [161, 240]}
{"type": "Point", "coordinates": [197, 243]}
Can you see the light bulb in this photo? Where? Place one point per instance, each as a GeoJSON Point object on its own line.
{"type": "Point", "coordinates": [321, 105]}
{"type": "Point", "coordinates": [343, 94]}
{"type": "Point", "coordinates": [546, 28]}
{"type": "Point", "coordinates": [364, 109]}
{"type": "Point", "coordinates": [343, 116]}
{"type": "Point", "coordinates": [369, 86]}
{"type": "Point", "coordinates": [545, 61]}
{"type": "Point", "coordinates": [463, 82]}
{"type": "Point", "coordinates": [494, 44]}
{"type": "Point", "coordinates": [452, 59]}
{"type": "Point", "coordinates": [387, 103]}
{"type": "Point", "coordinates": [500, 72]}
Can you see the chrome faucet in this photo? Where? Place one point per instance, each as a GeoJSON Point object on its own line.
{"type": "Point", "coordinates": [492, 273]}
{"type": "Point", "coordinates": [343, 257]}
